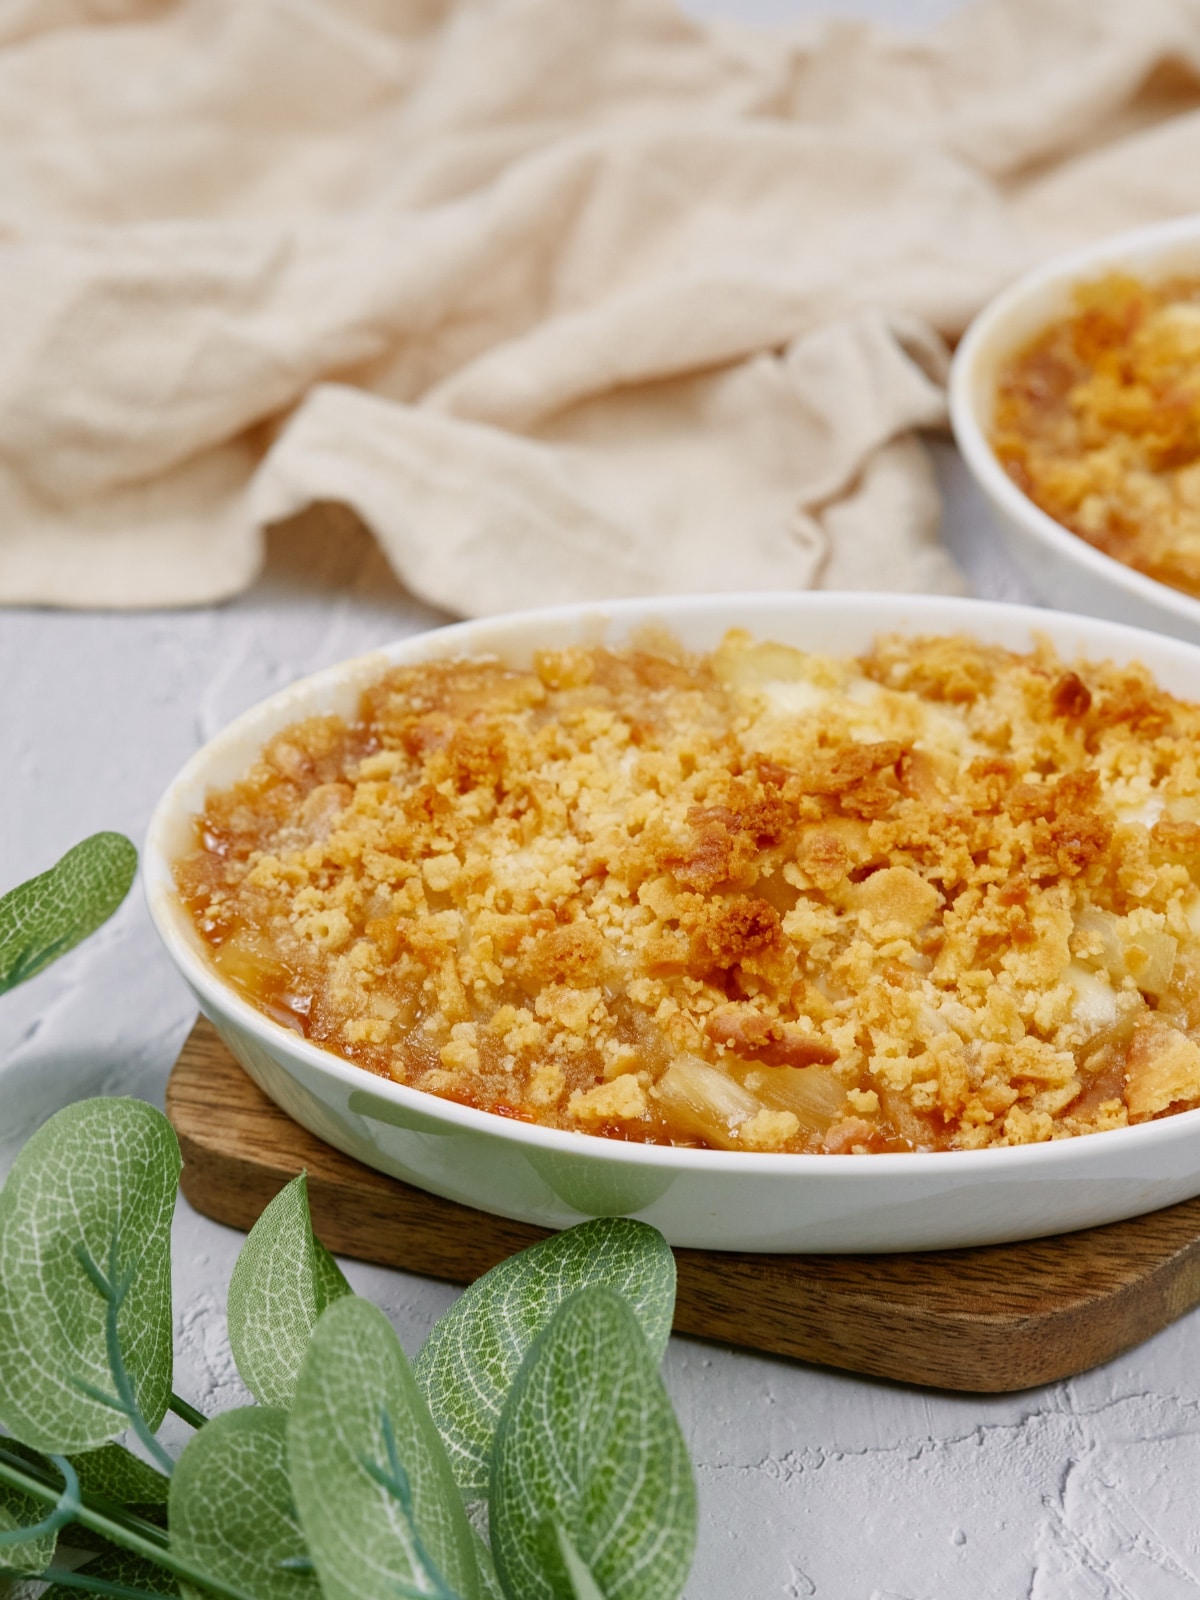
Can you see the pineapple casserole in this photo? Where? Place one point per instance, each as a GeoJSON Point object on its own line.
{"type": "Point", "coordinates": [1098, 421]}
{"type": "Point", "coordinates": [938, 898]}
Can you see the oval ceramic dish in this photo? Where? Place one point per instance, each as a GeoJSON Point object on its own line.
{"type": "Point", "coordinates": [710, 1199]}
{"type": "Point", "coordinates": [1061, 567]}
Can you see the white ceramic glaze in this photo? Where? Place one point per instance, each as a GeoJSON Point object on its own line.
{"type": "Point", "coordinates": [1062, 568]}
{"type": "Point", "coordinates": [702, 1198]}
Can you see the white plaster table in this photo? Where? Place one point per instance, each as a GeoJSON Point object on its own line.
{"type": "Point", "coordinates": [811, 1483]}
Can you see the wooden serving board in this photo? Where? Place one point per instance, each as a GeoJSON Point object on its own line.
{"type": "Point", "coordinates": [999, 1318]}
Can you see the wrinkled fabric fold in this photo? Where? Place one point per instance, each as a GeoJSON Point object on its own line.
{"type": "Point", "coordinates": [563, 301]}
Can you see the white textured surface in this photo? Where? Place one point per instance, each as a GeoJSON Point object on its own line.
{"type": "Point", "coordinates": [812, 1484]}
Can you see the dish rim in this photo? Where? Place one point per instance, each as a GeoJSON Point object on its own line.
{"type": "Point", "coordinates": [987, 331]}
{"type": "Point", "coordinates": [183, 944]}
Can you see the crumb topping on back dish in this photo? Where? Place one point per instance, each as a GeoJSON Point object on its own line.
{"type": "Point", "coordinates": [938, 898]}
{"type": "Point", "coordinates": [1098, 422]}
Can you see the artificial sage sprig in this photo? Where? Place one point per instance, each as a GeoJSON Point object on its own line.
{"type": "Point", "coordinates": [539, 1389]}
{"type": "Point", "coordinates": [543, 1378]}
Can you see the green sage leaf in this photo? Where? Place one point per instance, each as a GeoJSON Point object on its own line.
{"type": "Point", "coordinates": [117, 1474]}
{"type": "Point", "coordinates": [470, 1359]}
{"type": "Point", "coordinates": [231, 1508]}
{"type": "Point", "coordinates": [282, 1281]}
{"type": "Point", "coordinates": [87, 1203]}
{"type": "Point", "coordinates": [588, 1448]}
{"type": "Point", "coordinates": [44, 918]}
{"type": "Point", "coordinates": [583, 1585]}
{"type": "Point", "coordinates": [489, 1583]}
{"type": "Point", "coordinates": [123, 1569]}
{"type": "Point", "coordinates": [375, 1493]}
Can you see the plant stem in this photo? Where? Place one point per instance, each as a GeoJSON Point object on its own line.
{"type": "Point", "coordinates": [63, 1511]}
{"type": "Point", "coordinates": [119, 1288]}
{"type": "Point", "coordinates": [397, 1484]}
{"type": "Point", "coordinates": [125, 1537]}
{"type": "Point", "coordinates": [125, 1518]}
{"type": "Point", "coordinates": [112, 1290]}
{"type": "Point", "coordinates": [185, 1409]}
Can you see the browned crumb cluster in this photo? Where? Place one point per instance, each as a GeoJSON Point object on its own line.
{"type": "Point", "coordinates": [941, 897]}
{"type": "Point", "coordinates": [1098, 421]}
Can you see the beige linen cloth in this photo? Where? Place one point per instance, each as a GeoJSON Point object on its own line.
{"type": "Point", "coordinates": [564, 298]}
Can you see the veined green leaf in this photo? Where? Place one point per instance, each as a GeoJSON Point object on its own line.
{"type": "Point", "coordinates": [376, 1497]}
{"type": "Point", "coordinates": [282, 1281]}
{"type": "Point", "coordinates": [588, 1447]}
{"type": "Point", "coordinates": [123, 1569]}
{"type": "Point", "coordinates": [470, 1359]}
{"type": "Point", "coordinates": [231, 1508]}
{"type": "Point", "coordinates": [119, 1475]}
{"type": "Point", "coordinates": [85, 1276]}
{"type": "Point", "coordinates": [44, 918]}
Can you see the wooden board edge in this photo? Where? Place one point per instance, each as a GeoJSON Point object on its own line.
{"type": "Point", "coordinates": [1004, 1355]}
